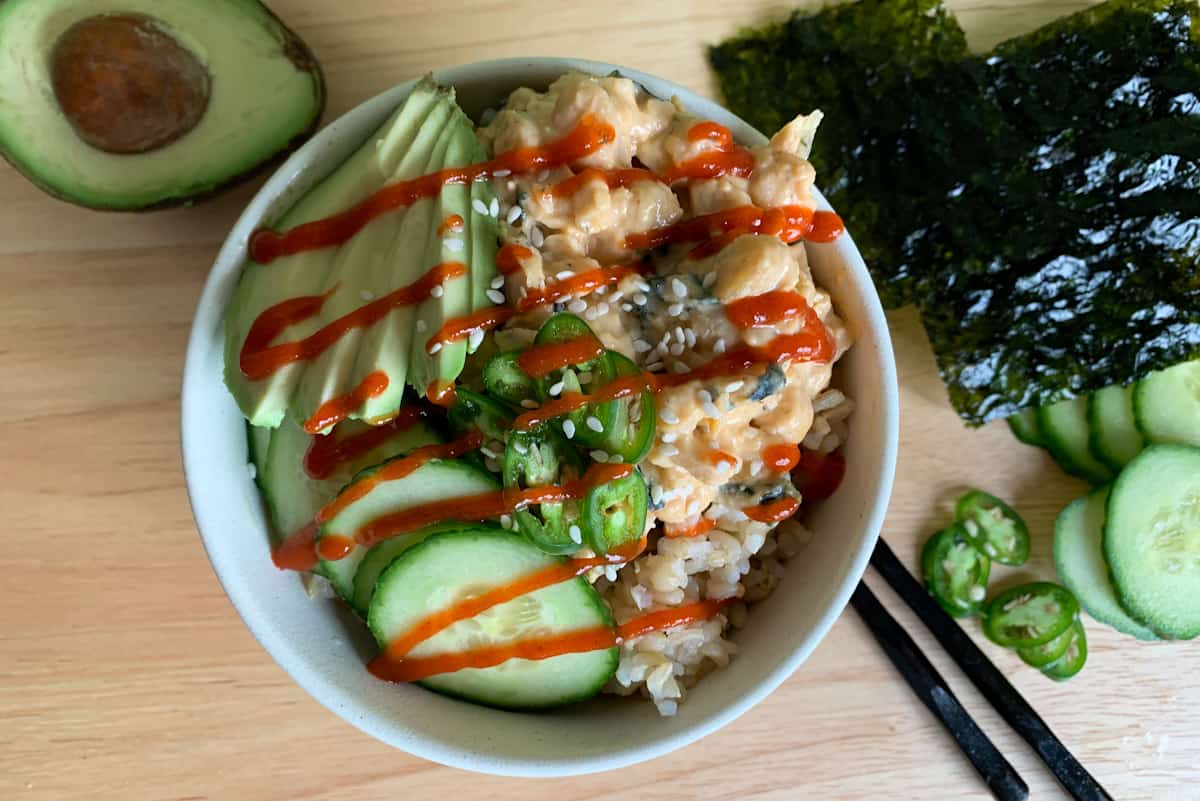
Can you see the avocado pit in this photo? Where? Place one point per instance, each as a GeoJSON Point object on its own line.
{"type": "Point", "coordinates": [126, 85]}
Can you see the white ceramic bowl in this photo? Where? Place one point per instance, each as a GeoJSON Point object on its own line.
{"type": "Point", "coordinates": [324, 648]}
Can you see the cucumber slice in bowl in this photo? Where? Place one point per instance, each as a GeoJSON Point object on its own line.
{"type": "Point", "coordinates": [1079, 560]}
{"type": "Point", "coordinates": [435, 480]}
{"type": "Point", "coordinates": [447, 569]}
{"type": "Point", "coordinates": [1152, 539]}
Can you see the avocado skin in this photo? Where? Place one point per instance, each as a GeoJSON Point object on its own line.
{"type": "Point", "coordinates": [299, 53]}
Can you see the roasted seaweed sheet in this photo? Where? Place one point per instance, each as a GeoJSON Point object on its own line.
{"type": "Point", "coordinates": [1039, 203]}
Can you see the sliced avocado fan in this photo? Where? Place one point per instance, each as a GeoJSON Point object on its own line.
{"type": "Point", "coordinates": [427, 133]}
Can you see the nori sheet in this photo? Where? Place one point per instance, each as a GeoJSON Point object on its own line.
{"type": "Point", "coordinates": [1039, 203]}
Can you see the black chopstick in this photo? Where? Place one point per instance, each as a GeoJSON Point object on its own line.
{"type": "Point", "coordinates": [997, 773]}
{"type": "Point", "coordinates": [991, 682]}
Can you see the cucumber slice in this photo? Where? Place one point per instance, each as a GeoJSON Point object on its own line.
{"type": "Point", "coordinates": [380, 556]}
{"type": "Point", "coordinates": [1071, 662]}
{"type": "Point", "coordinates": [1152, 539]}
{"type": "Point", "coordinates": [1114, 437]}
{"type": "Point", "coordinates": [446, 568]}
{"type": "Point", "coordinates": [1065, 426]}
{"type": "Point", "coordinates": [295, 497]}
{"type": "Point", "coordinates": [1079, 559]}
{"type": "Point", "coordinates": [1166, 405]}
{"type": "Point", "coordinates": [1024, 425]}
{"type": "Point", "coordinates": [436, 480]}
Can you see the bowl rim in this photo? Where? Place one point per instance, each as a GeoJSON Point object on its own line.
{"type": "Point", "coordinates": [209, 312]}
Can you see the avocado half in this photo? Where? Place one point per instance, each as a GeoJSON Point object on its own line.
{"type": "Point", "coordinates": [139, 104]}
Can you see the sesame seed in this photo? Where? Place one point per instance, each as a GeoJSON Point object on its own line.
{"type": "Point", "coordinates": [689, 337]}
{"type": "Point", "coordinates": [501, 173]}
{"type": "Point", "coordinates": [568, 428]}
{"type": "Point", "coordinates": [434, 348]}
{"type": "Point", "coordinates": [668, 416]}
{"type": "Point", "coordinates": [627, 307]}
{"type": "Point", "coordinates": [594, 423]}
{"type": "Point", "coordinates": [641, 284]}
{"type": "Point", "coordinates": [676, 349]}
{"type": "Point", "coordinates": [495, 296]}
{"type": "Point", "coordinates": [675, 309]}
{"type": "Point", "coordinates": [576, 306]}
{"type": "Point", "coordinates": [680, 368]}
{"type": "Point", "coordinates": [556, 388]}
{"type": "Point", "coordinates": [474, 339]}
{"type": "Point", "coordinates": [669, 436]}
{"type": "Point", "coordinates": [602, 308]}
{"type": "Point", "coordinates": [641, 346]}
{"type": "Point", "coordinates": [663, 349]}
{"type": "Point", "coordinates": [724, 466]}
{"type": "Point", "coordinates": [679, 287]}
{"type": "Point", "coordinates": [669, 450]}
{"type": "Point", "coordinates": [479, 206]}
{"type": "Point", "coordinates": [498, 282]}
{"type": "Point", "coordinates": [506, 521]}
{"type": "Point", "coordinates": [616, 296]}
{"type": "Point", "coordinates": [422, 326]}
{"type": "Point", "coordinates": [756, 467]}
{"type": "Point", "coordinates": [367, 294]}
{"type": "Point", "coordinates": [536, 238]}
{"type": "Point", "coordinates": [488, 452]}
{"type": "Point", "coordinates": [710, 279]}
{"type": "Point", "coordinates": [734, 386]}
{"type": "Point", "coordinates": [599, 456]}
{"type": "Point", "coordinates": [719, 346]}
{"type": "Point", "coordinates": [601, 290]}
{"type": "Point", "coordinates": [563, 275]}
{"type": "Point", "coordinates": [529, 403]}
{"type": "Point", "coordinates": [454, 245]}
{"type": "Point", "coordinates": [639, 299]}
{"type": "Point", "coordinates": [694, 508]}
{"type": "Point", "coordinates": [513, 215]}
{"type": "Point", "coordinates": [437, 291]}
{"type": "Point", "coordinates": [494, 208]}
{"type": "Point", "coordinates": [575, 534]}
{"type": "Point", "coordinates": [654, 366]}
{"type": "Point", "coordinates": [520, 447]}
{"type": "Point", "coordinates": [252, 469]}
{"type": "Point", "coordinates": [705, 396]}
{"type": "Point", "coordinates": [711, 410]}
{"type": "Point", "coordinates": [592, 313]}
{"type": "Point", "coordinates": [656, 494]}
{"type": "Point", "coordinates": [678, 332]}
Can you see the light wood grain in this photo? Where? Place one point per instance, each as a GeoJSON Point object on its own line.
{"type": "Point", "coordinates": [124, 672]}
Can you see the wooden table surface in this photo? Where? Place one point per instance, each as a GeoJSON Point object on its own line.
{"type": "Point", "coordinates": [126, 674]}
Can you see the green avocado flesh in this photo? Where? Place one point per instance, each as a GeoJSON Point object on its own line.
{"type": "Point", "coordinates": [426, 134]}
{"type": "Point", "coordinates": [1038, 203]}
{"type": "Point", "coordinates": [258, 93]}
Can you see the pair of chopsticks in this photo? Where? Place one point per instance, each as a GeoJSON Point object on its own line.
{"type": "Point", "coordinates": [999, 775]}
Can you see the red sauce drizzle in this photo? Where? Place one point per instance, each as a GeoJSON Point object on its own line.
{"type": "Point", "coordinates": [725, 158]}
{"type": "Point", "coordinates": [325, 454]}
{"type": "Point", "coordinates": [391, 668]}
{"type": "Point", "coordinates": [614, 179]}
{"type": "Point", "coordinates": [398, 469]}
{"type": "Point", "coordinates": [296, 552]}
{"type": "Point", "coordinates": [781, 458]}
{"type": "Point", "coordinates": [819, 474]}
{"type": "Point", "coordinates": [578, 284]}
{"type": "Point", "coordinates": [510, 256]}
{"type": "Point", "coordinates": [570, 401]}
{"type": "Point", "coordinates": [335, 410]}
{"type": "Point", "coordinates": [259, 358]}
{"type": "Point", "coordinates": [486, 505]}
{"type": "Point", "coordinates": [441, 393]}
{"type": "Point", "coordinates": [775, 511]}
{"type": "Point", "coordinates": [453, 222]}
{"type": "Point", "coordinates": [588, 136]}
{"type": "Point", "coordinates": [333, 547]}
{"type": "Point", "coordinates": [789, 223]}
{"type": "Point", "coordinates": [539, 361]}
{"type": "Point", "coordinates": [769, 308]}
{"type": "Point", "coordinates": [702, 526]}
